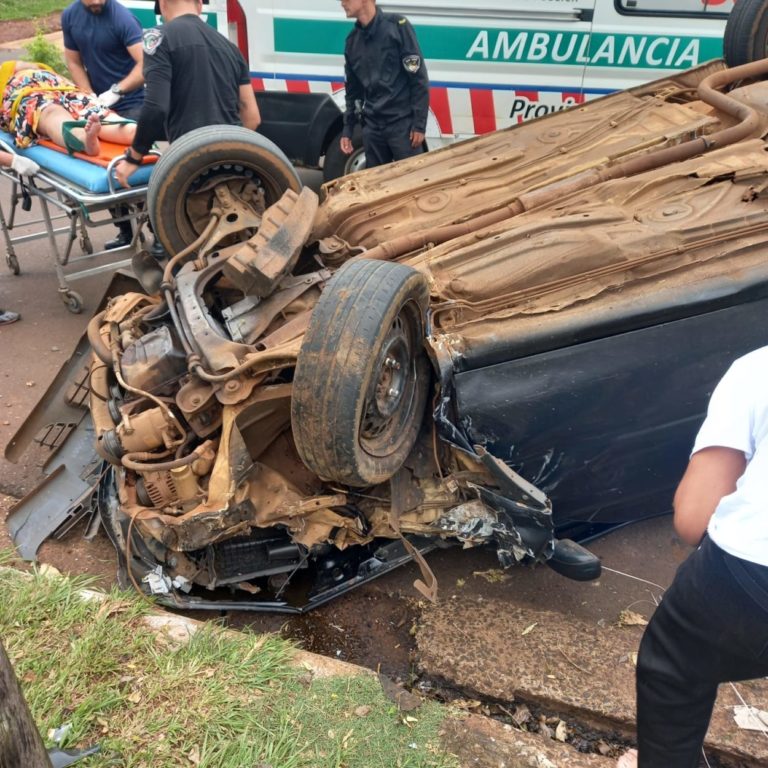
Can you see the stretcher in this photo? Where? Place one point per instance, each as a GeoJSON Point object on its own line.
{"type": "Point", "coordinates": [70, 191]}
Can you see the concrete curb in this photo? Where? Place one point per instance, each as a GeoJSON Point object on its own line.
{"type": "Point", "coordinates": [477, 741]}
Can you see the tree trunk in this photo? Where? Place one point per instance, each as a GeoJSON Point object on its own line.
{"type": "Point", "coordinates": [20, 741]}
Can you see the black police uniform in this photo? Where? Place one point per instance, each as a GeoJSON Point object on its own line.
{"type": "Point", "coordinates": [193, 76]}
{"type": "Point", "coordinates": [387, 87]}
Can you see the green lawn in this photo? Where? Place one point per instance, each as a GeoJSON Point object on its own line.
{"type": "Point", "coordinates": [224, 700]}
{"type": "Point", "coordinates": [12, 10]}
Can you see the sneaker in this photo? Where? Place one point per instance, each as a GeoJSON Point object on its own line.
{"type": "Point", "coordinates": [6, 318]}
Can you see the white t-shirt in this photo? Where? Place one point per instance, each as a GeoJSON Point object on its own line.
{"type": "Point", "coordinates": [738, 418]}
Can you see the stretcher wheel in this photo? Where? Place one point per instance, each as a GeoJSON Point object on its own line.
{"type": "Point", "coordinates": [13, 263]}
{"type": "Point", "coordinates": [86, 246]}
{"type": "Point", "coordinates": [182, 186]}
{"type": "Point", "coordinates": [73, 301]}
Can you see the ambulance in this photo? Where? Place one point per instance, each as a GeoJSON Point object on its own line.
{"type": "Point", "coordinates": [492, 63]}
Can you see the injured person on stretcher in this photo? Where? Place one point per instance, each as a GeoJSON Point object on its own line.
{"type": "Point", "coordinates": [35, 102]}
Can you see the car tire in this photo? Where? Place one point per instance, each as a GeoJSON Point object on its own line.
{"type": "Point", "coordinates": [196, 158]}
{"type": "Point", "coordinates": [362, 375]}
{"type": "Point", "coordinates": [338, 164]}
{"type": "Point", "coordinates": [746, 33]}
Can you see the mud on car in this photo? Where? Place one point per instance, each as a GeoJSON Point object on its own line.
{"type": "Point", "coordinates": [509, 342]}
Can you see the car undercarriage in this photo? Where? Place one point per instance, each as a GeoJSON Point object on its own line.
{"type": "Point", "coordinates": [463, 348]}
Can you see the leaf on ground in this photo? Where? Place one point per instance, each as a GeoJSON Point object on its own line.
{"type": "Point", "coordinates": [112, 608]}
{"type": "Point", "coordinates": [529, 628]}
{"type": "Point", "coordinates": [493, 575]}
{"type": "Point", "coordinates": [194, 756]}
{"type": "Point", "coordinates": [48, 570]}
{"type": "Point", "coordinates": [561, 731]}
{"type": "Point", "coordinates": [467, 703]}
{"type": "Point", "coordinates": [633, 658]}
{"type": "Point", "coordinates": [362, 711]}
{"type": "Point", "coordinates": [631, 619]}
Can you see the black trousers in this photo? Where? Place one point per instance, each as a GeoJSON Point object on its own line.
{"type": "Point", "coordinates": [385, 143]}
{"type": "Point", "coordinates": [122, 210]}
{"type": "Point", "coordinates": [707, 630]}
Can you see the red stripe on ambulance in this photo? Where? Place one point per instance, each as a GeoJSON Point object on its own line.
{"type": "Point", "coordinates": [438, 101]}
{"type": "Point", "coordinates": [297, 86]}
{"type": "Point", "coordinates": [530, 96]}
{"type": "Point", "coordinates": [483, 110]}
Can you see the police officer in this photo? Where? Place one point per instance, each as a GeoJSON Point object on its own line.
{"type": "Point", "coordinates": [387, 85]}
{"type": "Point", "coordinates": [194, 77]}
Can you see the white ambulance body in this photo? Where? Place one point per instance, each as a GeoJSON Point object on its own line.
{"type": "Point", "coordinates": [492, 63]}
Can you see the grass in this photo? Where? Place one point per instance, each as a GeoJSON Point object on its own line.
{"type": "Point", "coordinates": [220, 701]}
{"type": "Point", "coordinates": [22, 10]}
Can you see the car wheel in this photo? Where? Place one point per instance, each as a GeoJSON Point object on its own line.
{"type": "Point", "coordinates": [746, 33]}
{"type": "Point", "coordinates": [337, 164]}
{"type": "Point", "coordinates": [362, 374]}
{"type": "Point", "coordinates": [181, 188]}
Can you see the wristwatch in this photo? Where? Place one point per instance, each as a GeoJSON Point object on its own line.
{"type": "Point", "coordinates": [130, 158]}
{"type": "Point", "coordinates": [117, 90]}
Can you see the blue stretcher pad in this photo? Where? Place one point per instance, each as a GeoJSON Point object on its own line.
{"type": "Point", "coordinates": [88, 176]}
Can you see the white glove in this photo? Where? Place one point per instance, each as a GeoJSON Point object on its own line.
{"type": "Point", "coordinates": [24, 166]}
{"type": "Point", "coordinates": [109, 99]}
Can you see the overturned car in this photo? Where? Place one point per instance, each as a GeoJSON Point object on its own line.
{"type": "Point", "coordinates": [509, 342]}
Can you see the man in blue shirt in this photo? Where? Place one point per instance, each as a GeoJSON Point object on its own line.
{"type": "Point", "coordinates": [104, 52]}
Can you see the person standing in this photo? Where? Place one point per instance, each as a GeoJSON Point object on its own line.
{"type": "Point", "coordinates": [103, 50]}
{"type": "Point", "coordinates": [194, 77]}
{"type": "Point", "coordinates": [712, 624]}
{"type": "Point", "coordinates": [387, 86]}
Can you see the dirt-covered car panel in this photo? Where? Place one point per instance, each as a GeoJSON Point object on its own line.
{"type": "Point", "coordinates": [309, 383]}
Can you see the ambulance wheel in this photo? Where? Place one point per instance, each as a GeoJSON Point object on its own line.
{"type": "Point", "coordinates": [73, 301]}
{"type": "Point", "coordinates": [338, 164]}
{"type": "Point", "coordinates": [362, 374]}
{"type": "Point", "coordinates": [182, 186]}
{"type": "Point", "coordinates": [746, 33]}
{"type": "Point", "coordinates": [13, 263]}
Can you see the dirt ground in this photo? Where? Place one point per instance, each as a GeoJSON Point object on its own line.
{"type": "Point", "coordinates": [22, 29]}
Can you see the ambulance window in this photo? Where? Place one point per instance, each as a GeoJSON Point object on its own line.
{"type": "Point", "coordinates": [675, 7]}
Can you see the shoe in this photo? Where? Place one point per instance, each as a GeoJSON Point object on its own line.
{"type": "Point", "coordinates": [573, 561]}
{"type": "Point", "coordinates": [158, 251]}
{"type": "Point", "coordinates": [122, 239]}
{"type": "Point", "coordinates": [6, 318]}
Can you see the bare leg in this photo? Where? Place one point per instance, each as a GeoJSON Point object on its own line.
{"type": "Point", "coordinates": [50, 123]}
{"type": "Point", "coordinates": [122, 133]}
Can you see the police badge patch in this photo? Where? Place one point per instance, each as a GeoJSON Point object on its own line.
{"type": "Point", "coordinates": [412, 64]}
{"type": "Point", "coordinates": [152, 38]}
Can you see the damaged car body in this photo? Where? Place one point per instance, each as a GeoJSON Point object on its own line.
{"type": "Point", "coordinates": [509, 342]}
